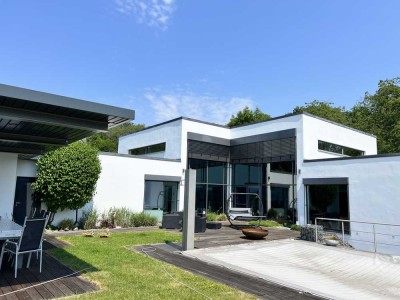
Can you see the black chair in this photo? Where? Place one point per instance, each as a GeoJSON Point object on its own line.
{"type": "Point", "coordinates": [30, 242]}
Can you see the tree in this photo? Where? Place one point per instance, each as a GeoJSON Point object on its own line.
{"type": "Point", "coordinates": [327, 111]}
{"type": "Point", "coordinates": [380, 114]}
{"type": "Point", "coordinates": [108, 141]}
{"type": "Point", "coordinates": [66, 177]}
{"type": "Point", "coordinates": [246, 116]}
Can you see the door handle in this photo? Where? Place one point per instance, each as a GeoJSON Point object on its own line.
{"type": "Point", "coordinates": [17, 203]}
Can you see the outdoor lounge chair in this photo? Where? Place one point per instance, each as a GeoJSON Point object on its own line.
{"type": "Point", "coordinates": [242, 214]}
{"type": "Point", "coordinates": [30, 242]}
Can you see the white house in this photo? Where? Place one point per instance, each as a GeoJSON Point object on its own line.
{"type": "Point", "coordinates": [300, 165]}
{"type": "Point", "coordinates": [296, 163]}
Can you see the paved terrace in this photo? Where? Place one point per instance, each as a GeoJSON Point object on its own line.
{"type": "Point", "coordinates": [226, 236]}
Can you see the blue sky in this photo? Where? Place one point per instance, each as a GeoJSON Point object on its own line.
{"type": "Point", "coordinates": [203, 59]}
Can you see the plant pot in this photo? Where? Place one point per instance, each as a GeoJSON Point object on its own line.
{"type": "Point", "coordinates": [255, 233]}
{"type": "Point", "coordinates": [330, 242]}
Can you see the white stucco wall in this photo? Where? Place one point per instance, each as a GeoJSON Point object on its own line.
{"type": "Point", "coordinates": [121, 182]}
{"type": "Point", "coordinates": [374, 191]}
{"type": "Point", "coordinates": [8, 174]}
{"type": "Point", "coordinates": [315, 129]}
{"type": "Point", "coordinates": [26, 168]}
{"type": "Point", "coordinates": [169, 133]}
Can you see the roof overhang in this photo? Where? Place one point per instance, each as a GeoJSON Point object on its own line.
{"type": "Point", "coordinates": [32, 121]}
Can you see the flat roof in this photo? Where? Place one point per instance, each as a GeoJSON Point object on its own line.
{"type": "Point", "coordinates": [32, 122]}
{"type": "Point", "coordinates": [352, 157]}
{"type": "Point", "coordinates": [249, 124]}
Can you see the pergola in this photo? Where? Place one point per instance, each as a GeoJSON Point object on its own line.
{"type": "Point", "coordinates": [32, 121]}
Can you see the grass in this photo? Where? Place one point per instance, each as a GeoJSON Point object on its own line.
{"type": "Point", "coordinates": [267, 223]}
{"type": "Point", "coordinates": [125, 274]}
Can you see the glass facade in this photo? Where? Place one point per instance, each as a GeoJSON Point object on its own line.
{"type": "Point", "coordinates": [211, 187]}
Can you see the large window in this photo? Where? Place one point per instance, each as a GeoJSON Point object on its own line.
{"type": "Point", "coordinates": [148, 149]}
{"type": "Point", "coordinates": [161, 195]}
{"type": "Point", "coordinates": [327, 201]}
{"type": "Point", "coordinates": [338, 149]}
{"type": "Point", "coordinates": [211, 185]}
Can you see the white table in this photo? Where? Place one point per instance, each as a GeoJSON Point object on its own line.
{"type": "Point", "coordinates": [9, 229]}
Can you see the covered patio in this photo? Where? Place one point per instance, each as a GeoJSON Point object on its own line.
{"type": "Point", "coordinates": [33, 122]}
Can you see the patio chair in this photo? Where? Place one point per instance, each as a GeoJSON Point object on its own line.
{"type": "Point", "coordinates": [31, 241]}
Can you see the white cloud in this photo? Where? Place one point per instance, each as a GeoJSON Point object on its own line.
{"type": "Point", "coordinates": [167, 106]}
{"type": "Point", "coordinates": [153, 13]}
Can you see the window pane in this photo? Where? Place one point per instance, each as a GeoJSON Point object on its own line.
{"type": "Point", "coordinates": [328, 201]}
{"type": "Point", "coordinates": [215, 198]}
{"type": "Point", "coordinates": [216, 172]}
{"type": "Point", "coordinates": [201, 197]}
{"type": "Point", "coordinates": [241, 174]}
{"type": "Point", "coordinates": [201, 169]}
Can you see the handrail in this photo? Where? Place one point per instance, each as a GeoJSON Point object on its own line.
{"type": "Point", "coordinates": [374, 224]}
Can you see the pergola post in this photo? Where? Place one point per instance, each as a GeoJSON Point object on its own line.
{"type": "Point", "coordinates": [189, 210]}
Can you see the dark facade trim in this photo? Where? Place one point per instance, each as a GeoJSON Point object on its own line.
{"type": "Point", "coordinates": [325, 181]}
{"type": "Point", "coordinates": [139, 157]}
{"type": "Point", "coordinates": [51, 99]}
{"type": "Point", "coordinates": [276, 135]}
{"type": "Point", "coordinates": [208, 139]}
{"type": "Point", "coordinates": [162, 178]}
{"type": "Point", "coordinates": [352, 157]}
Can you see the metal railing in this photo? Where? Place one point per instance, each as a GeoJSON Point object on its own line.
{"type": "Point", "coordinates": [348, 235]}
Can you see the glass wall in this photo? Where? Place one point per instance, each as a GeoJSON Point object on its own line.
{"type": "Point", "coordinates": [274, 182]}
{"type": "Point", "coordinates": [211, 185]}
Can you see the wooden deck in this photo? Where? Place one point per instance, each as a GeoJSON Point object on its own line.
{"type": "Point", "coordinates": [170, 253]}
{"type": "Point", "coordinates": [31, 284]}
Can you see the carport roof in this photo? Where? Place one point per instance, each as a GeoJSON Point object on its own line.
{"type": "Point", "coordinates": [31, 121]}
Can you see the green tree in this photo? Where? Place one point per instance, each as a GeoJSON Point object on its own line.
{"type": "Point", "coordinates": [327, 111]}
{"type": "Point", "coordinates": [246, 116]}
{"type": "Point", "coordinates": [379, 114]}
{"type": "Point", "coordinates": [66, 177]}
{"type": "Point", "coordinates": [108, 141]}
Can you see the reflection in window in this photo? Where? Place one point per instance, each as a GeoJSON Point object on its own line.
{"type": "Point", "coordinates": [148, 149]}
{"type": "Point", "coordinates": [343, 150]}
{"type": "Point", "coordinates": [211, 185]}
{"type": "Point", "coordinates": [328, 201]}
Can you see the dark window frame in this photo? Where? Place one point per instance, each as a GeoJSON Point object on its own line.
{"type": "Point", "coordinates": [155, 148]}
{"type": "Point", "coordinates": [339, 149]}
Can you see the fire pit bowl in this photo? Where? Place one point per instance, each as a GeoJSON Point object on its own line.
{"type": "Point", "coordinates": [255, 233]}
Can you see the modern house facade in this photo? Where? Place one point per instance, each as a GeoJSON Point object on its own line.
{"type": "Point", "coordinates": [301, 166]}
{"type": "Point", "coordinates": [298, 164]}
{"type": "Point", "coordinates": [268, 158]}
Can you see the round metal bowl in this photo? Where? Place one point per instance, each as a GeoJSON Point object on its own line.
{"type": "Point", "coordinates": [331, 242]}
{"type": "Point", "coordinates": [255, 233]}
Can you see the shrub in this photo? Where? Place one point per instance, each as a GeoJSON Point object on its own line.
{"type": "Point", "coordinates": [266, 223]}
{"type": "Point", "coordinates": [272, 214]}
{"type": "Point", "coordinates": [142, 219]}
{"type": "Point", "coordinates": [120, 216]}
{"type": "Point", "coordinates": [66, 224]}
{"type": "Point", "coordinates": [295, 227]}
{"type": "Point", "coordinates": [222, 217]}
{"type": "Point", "coordinates": [89, 219]}
{"type": "Point", "coordinates": [67, 176]}
{"type": "Point", "coordinates": [211, 216]}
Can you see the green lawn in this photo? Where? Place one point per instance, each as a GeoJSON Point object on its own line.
{"type": "Point", "coordinates": [125, 274]}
